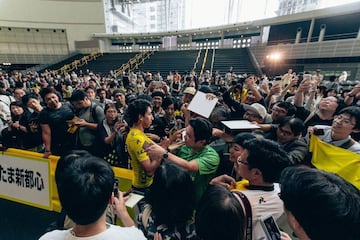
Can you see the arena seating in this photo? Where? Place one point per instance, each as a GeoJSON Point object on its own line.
{"type": "Point", "coordinates": [64, 62]}
{"type": "Point", "coordinates": [166, 61]}
{"type": "Point", "coordinates": [107, 62]}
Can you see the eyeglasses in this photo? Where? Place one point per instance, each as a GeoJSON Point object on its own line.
{"type": "Point", "coordinates": [240, 161]}
{"type": "Point", "coordinates": [342, 119]}
{"type": "Point", "coordinates": [285, 133]}
{"type": "Point", "coordinates": [278, 110]}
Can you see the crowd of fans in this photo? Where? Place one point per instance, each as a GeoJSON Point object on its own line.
{"type": "Point", "coordinates": [184, 163]}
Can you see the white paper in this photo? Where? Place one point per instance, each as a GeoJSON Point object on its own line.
{"type": "Point", "coordinates": [239, 125]}
{"type": "Point", "coordinates": [133, 200]}
{"type": "Point", "coordinates": [202, 105]}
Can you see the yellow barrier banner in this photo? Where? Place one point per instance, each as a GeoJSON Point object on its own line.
{"type": "Point", "coordinates": [26, 181]}
{"type": "Point", "coordinates": [28, 178]}
{"type": "Point", "coordinates": [337, 160]}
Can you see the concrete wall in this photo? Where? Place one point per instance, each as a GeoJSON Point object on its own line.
{"type": "Point", "coordinates": [79, 18]}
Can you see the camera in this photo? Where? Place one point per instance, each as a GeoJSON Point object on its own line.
{"type": "Point", "coordinates": [116, 188]}
{"type": "Point", "coordinates": [318, 131]}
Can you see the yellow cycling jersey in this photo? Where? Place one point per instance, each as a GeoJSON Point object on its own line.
{"type": "Point", "coordinates": [135, 144]}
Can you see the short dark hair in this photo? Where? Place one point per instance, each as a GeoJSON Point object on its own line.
{"type": "Point", "coordinates": [48, 90]}
{"type": "Point", "coordinates": [145, 97]}
{"type": "Point", "coordinates": [85, 184]}
{"type": "Point", "coordinates": [291, 109]}
{"type": "Point", "coordinates": [78, 95]}
{"type": "Point", "coordinates": [220, 113]}
{"type": "Point", "coordinates": [136, 108]}
{"type": "Point", "coordinates": [325, 205]}
{"type": "Point", "coordinates": [354, 112]}
{"type": "Point", "coordinates": [99, 90]}
{"type": "Point", "coordinates": [167, 102]}
{"type": "Point", "coordinates": [240, 138]}
{"type": "Point", "coordinates": [202, 129]}
{"type": "Point", "coordinates": [17, 103]}
{"type": "Point", "coordinates": [296, 125]}
{"type": "Point", "coordinates": [341, 104]}
{"type": "Point", "coordinates": [109, 105]}
{"type": "Point", "coordinates": [219, 215]}
{"type": "Point", "coordinates": [267, 156]}
{"type": "Point", "coordinates": [157, 94]}
{"type": "Point", "coordinates": [90, 87]}
{"type": "Point", "coordinates": [172, 195]}
{"type": "Point", "coordinates": [27, 97]}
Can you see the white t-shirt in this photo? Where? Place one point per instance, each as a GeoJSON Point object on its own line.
{"type": "Point", "coordinates": [112, 233]}
{"type": "Point", "coordinates": [263, 203]}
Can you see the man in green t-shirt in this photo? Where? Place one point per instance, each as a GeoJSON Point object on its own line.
{"type": "Point", "coordinates": [196, 156]}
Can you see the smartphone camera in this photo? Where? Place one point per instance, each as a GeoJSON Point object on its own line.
{"type": "Point", "coordinates": [270, 228]}
{"type": "Point", "coordinates": [318, 132]}
{"type": "Point", "coordinates": [116, 188]}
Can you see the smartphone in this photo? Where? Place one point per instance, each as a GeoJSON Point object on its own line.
{"type": "Point", "coordinates": [270, 227]}
{"type": "Point", "coordinates": [120, 118]}
{"type": "Point", "coordinates": [318, 131]}
{"type": "Point", "coordinates": [307, 77]}
{"type": "Point", "coordinates": [116, 188]}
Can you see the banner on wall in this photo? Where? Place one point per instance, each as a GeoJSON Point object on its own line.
{"type": "Point", "coordinates": [25, 180]}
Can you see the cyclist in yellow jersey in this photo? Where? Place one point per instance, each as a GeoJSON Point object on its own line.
{"type": "Point", "coordinates": [140, 118]}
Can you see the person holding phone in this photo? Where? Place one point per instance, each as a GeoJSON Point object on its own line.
{"type": "Point", "coordinates": [326, 109]}
{"type": "Point", "coordinates": [85, 185]}
{"type": "Point", "coordinates": [260, 167]}
{"type": "Point", "coordinates": [339, 133]}
{"type": "Point", "coordinates": [111, 131]}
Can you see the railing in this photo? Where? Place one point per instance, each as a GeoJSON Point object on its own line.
{"type": "Point", "coordinates": [204, 62]}
{"type": "Point", "coordinates": [212, 61]}
{"type": "Point", "coordinates": [324, 49]}
{"type": "Point", "coordinates": [44, 66]}
{"type": "Point", "coordinates": [77, 63]}
{"type": "Point", "coordinates": [197, 60]}
{"type": "Point", "coordinates": [255, 62]}
{"type": "Point", "coordinates": [133, 63]}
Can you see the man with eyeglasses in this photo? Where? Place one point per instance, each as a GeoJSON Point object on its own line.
{"type": "Point", "coordinates": [280, 110]}
{"type": "Point", "coordinates": [256, 113]}
{"type": "Point", "coordinates": [288, 134]}
{"type": "Point", "coordinates": [326, 109]}
{"type": "Point", "coordinates": [339, 133]}
{"type": "Point", "coordinates": [260, 165]}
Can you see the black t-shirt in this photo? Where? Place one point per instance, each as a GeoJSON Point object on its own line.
{"type": "Point", "coordinates": [56, 119]}
{"type": "Point", "coordinates": [303, 114]}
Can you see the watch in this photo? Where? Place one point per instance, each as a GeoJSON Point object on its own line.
{"type": "Point", "coordinates": [166, 154]}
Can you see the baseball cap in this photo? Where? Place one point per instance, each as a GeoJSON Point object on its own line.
{"type": "Point", "coordinates": [258, 108]}
{"type": "Point", "coordinates": [190, 90]}
{"type": "Point", "coordinates": [118, 91]}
